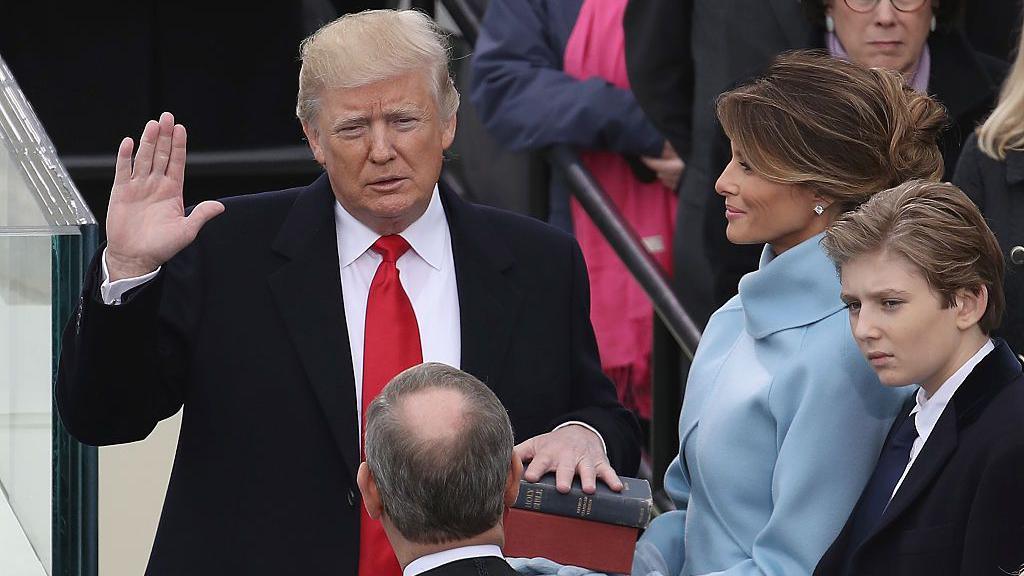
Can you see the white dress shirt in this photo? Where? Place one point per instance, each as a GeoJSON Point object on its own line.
{"type": "Point", "coordinates": [928, 409]}
{"type": "Point", "coordinates": [431, 561]}
{"type": "Point", "coordinates": [427, 273]}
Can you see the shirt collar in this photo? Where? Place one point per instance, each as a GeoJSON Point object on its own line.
{"type": "Point", "coordinates": [928, 410]}
{"type": "Point", "coordinates": [431, 561]}
{"type": "Point", "coordinates": [355, 238]}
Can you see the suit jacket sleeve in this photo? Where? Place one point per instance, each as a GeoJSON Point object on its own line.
{"type": "Point", "coordinates": [527, 102]}
{"type": "Point", "coordinates": [122, 367]}
{"type": "Point", "coordinates": [598, 404]}
{"type": "Point", "coordinates": [660, 65]}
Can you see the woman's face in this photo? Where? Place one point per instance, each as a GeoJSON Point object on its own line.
{"type": "Point", "coordinates": [901, 325]}
{"type": "Point", "coordinates": [883, 37]}
{"type": "Point", "coordinates": [764, 212]}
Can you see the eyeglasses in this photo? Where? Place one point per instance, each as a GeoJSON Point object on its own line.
{"type": "Point", "coordinates": [864, 6]}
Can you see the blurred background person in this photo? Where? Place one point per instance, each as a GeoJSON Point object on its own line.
{"type": "Point", "coordinates": [922, 275]}
{"type": "Point", "coordinates": [991, 172]}
{"type": "Point", "coordinates": [440, 472]}
{"type": "Point", "coordinates": [554, 72]}
{"type": "Point", "coordinates": [783, 418]}
{"type": "Point", "coordinates": [920, 40]}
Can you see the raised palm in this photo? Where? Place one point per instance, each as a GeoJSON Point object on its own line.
{"type": "Point", "coordinates": [146, 221]}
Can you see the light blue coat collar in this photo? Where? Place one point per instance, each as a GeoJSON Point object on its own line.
{"type": "Point", "coordinates": [797, 288]}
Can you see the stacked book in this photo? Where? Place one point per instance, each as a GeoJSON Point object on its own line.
{"type": "Point", "coordinates": [595, 531]}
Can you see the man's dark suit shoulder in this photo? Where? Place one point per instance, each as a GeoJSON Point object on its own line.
{"type": "Point", "coordinates": [526, 236]}
{"type": "Point", "coordinates": [262, 213]}
{"type": "Point", "coordinates": [1003, 434]}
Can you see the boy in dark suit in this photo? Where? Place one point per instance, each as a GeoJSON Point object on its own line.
{"type": "Point", "coordinates": [922, 276]}
{"type": "Point", "coordinates": [440, 471]}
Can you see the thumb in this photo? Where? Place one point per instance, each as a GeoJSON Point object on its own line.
{"type": "Point", "coordinates": [656, 164]}
{"type": "Point", "coordinates": [201, 214]}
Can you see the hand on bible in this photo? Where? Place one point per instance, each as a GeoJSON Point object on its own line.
{"type": "Point", "coordinates": [146, 222]}
{"type": "Point", "coordinates": [568, 451]}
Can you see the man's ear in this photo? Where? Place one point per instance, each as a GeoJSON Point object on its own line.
{"type": "Point", "coordinates": [448, 131]}
{"type": "Point", "coordinates": [971, 306]}
{"type": "Point", "coordinates": [313, 138]}
{"type": "Point", "coordinates": [368, 488]}
{"type": "Point", "coordinates": [515, 472]}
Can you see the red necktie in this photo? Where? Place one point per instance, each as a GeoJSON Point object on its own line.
{"type": "Point", "coordinates": [391, 344]}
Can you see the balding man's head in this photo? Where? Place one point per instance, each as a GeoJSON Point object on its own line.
{"type": "Point", "coordinates": [439, 446]}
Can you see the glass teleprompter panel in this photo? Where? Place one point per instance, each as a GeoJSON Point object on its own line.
{"type": "Point", "coordinates": [41, 215]}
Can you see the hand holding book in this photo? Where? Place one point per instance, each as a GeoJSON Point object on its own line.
{"type": "Point", "coordinates": [568, 451]}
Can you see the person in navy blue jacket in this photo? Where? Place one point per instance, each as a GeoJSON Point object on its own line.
{"type": "Point", "coordinates": [527, 101]}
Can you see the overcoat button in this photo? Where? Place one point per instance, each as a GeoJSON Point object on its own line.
{"type": "Point", "coordinates": [1017, 255]}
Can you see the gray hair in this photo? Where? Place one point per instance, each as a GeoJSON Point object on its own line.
{"type": "Point", "coordinates": [436, 491]}
{"type": "Point", "coordinates": [371, 46]}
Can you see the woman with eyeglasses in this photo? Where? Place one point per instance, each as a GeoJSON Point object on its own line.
{"type": "Point", "coordinates": [920, 40]}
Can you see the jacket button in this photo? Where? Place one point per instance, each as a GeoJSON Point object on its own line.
{"type": "Point", "coordinates": [1017, 255]}
{"type": "Point", "coordinates": [351, 498]}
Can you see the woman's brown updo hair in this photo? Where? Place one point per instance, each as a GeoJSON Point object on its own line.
{"type": "Point", "coordinates": [840, 130]}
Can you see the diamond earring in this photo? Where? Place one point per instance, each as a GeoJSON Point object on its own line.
{"type": "Point", "coordinates": [934, 23]}
{"type": "Point", "coordinates": [819, 209]}
{"type": "Point", "coordinates": [830, 24]}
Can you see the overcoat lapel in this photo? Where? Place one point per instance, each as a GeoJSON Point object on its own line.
{"type": "Point", "coordinates": [307, 290]}
{"type": "Point", "coordinates": [489, 300]}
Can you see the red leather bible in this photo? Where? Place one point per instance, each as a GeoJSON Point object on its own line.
{"type": "Point", "coordinates": [598, 546]}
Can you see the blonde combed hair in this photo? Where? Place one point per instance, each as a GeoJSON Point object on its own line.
{"type": "Point", "coordinates": [843, 131]}
{"type": "Point", "coordinates": [1004, 128]}
{"type": "Point", "coordinates": [372, 46]}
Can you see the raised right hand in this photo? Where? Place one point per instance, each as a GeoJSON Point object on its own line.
{"type": "Point", "coordinates": [146, 222]}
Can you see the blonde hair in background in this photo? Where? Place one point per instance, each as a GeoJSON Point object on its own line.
{"type": "Point", "coordinates": [935, 227]}
{"type": "Point", "coordinates": [371, 46]}
{"type": "Point", "coordinates": [1004, 128]}
{"type": "Point", "coordinates": [843, 131]}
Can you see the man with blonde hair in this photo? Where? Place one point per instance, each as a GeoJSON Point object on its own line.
{"type": "Point", "coordinates": [278, 322]}
{"type": "Point", "coordinates": [922, 276]}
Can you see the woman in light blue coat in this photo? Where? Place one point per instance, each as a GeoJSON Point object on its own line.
{"type": "Point", "coordinates": [783, 419]}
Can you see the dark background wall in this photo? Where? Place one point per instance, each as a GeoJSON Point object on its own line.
{"type": "Point", "coordinates": [97, 71]}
